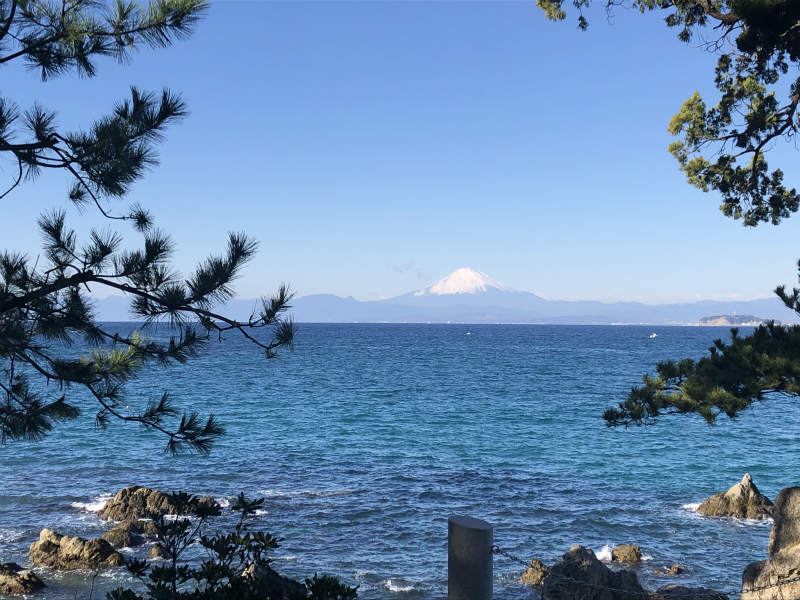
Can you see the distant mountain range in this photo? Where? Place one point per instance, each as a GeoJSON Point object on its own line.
{"type": "Point", "coordinates": [469, 296]}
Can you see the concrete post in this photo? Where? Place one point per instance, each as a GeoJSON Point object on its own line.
{"type": "Point", "coordinates": [469, 559]}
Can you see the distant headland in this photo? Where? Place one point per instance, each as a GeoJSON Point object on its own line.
{"type": "Point", "coordinates": [736, 320]}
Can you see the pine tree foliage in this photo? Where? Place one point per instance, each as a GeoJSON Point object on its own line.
{"type": "Point", "coordinates": [723, 146]}
{"type": "Point", "coordinates": [235, 564]}
{"type": "Point", "coordinates": [731, 378]}
{"type": "Point", "coordinates": [46, 300]}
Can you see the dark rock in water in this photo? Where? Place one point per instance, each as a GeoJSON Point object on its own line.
{"type": "Point", "coordinates": [273, 585]}
{"type": "Point", "coordinates": [535, 573]}
{"type": "Point", "coordinates": [579, 575]}
{"type": "Point", "coordinates": [675, 569]}
{"type": "Point", "coordinates": [136, 502]}
{"type": "Point", "coordinates": [124, 535]}
{"type": "Point", "coordinates": [146, 528]}
{"type": "Point", "coordinates": [65, 552]}
{"type": "Point", "coordinates": [156, 552]}
{"type": "Point", "coordinates": [784, 553]}
{"type": "Point", "coordinates": [627, 553]}
{"type": "Point", "coordinates": [14, 580]}
{"type": "Point", "coordinates": [743, 500]}
{"type": "Point", "coordinates": [681, 592]}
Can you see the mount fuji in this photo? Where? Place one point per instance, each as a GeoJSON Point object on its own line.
{"type": "Point", "coordinates": [462, 281]}
{"type": "Point", "coordinates": [467, 288]}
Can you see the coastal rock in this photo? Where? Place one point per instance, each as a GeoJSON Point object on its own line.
{"type": "Point", "coordinates": [743, 500]}
{"type": "Point", "coordinates": [675, 569]}
{"type": "Point", "coordinates": [14, 580]}
{"type": "Point", "coordinates": [627, 553]}
{"type": "Point", "coordinates": [155, 552]}
{"type": "Point", "coordinates": [124, 535]}
{"type": "Point", "coordinates": [785, 534]}
{"type": "Point", "coordinates": [681, 592]}
{"type": "Point", "coordinates": [65, 552]}
{"type": "Point", "coordinates": [136, 502]}
{"type": "Point", "coordinates": [784, 553]}
{"type": "Point", "coordinates": [579, 575]}
{"type": "Point", "coordinates": [272, 585]}
{"type": "Point", "coordinates": [146, 528]}
{"type": "Point", "coordinates": [535, 574]}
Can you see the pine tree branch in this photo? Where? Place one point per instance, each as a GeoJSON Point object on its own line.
{"type": "Point", "coordinates": [17, 148]}
{"type": "Point", "coordinates": [7, 25]}
{"type": "Point", "coordinates": [17, 181]}
{"type": "Point", "coordinates": [60, 283]}
{"type": "Point", "coordinates": [62, 33]}
{"type": "Point", "coordinates": [200, 312]}
{"type": "Point", "coordinates": [41, 305]}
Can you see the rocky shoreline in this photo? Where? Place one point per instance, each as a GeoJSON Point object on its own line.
{"type": "Point", "coordinates": [132, 509]}
{"type": "Point", "coordinates": [580, 575]}
{"type": "Point", "coordinates": [577, 575]}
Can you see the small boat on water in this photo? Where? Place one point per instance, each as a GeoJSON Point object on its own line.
{"type": "Point", "coordinates": [653, 335]}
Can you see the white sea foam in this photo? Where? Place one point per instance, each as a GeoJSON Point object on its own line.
{"type": "Point", "coordinates": [11, 535]}
{"type": "Point", "coordinates": [751, 522]}
{"type": "Point", "coordinates": [396, 586]}
{"type": "Point", "coordinates": [93, 505]}
{"type": "Point", "coordinates": [223, 502]}
{"type": "Point", "coordinates": [604, 553]}
{"type": "Point", "coordinates": [646, 557]}
{"type": "Point", "coordinates": [304, 493]}
{"type": "Point", "coordinates": [288, 557]}
{"type": "Point", "coordinates": [260, 512]}
{"type": "Point", "coordinates": [362, 574]}
{"type": "Point", "coordinates": [190, 518]}
{"type": "Point", "coordinates": [693, 506]}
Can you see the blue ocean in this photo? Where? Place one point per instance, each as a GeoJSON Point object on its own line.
{"type": "Point", "coordinates": [366, 437]}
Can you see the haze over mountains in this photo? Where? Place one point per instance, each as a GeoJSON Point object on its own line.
{"type": "Point", "coordinates": [469, 296]}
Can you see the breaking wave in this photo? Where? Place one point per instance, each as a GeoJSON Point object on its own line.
{"type": "Point", "coordinates": [93, 505]}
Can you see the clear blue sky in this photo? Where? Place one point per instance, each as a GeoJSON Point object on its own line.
{"type": "Point", "coordinates": [375, 147]}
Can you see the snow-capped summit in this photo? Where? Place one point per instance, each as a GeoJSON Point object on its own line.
{"type": "Point", "coordinates": [462, 281]}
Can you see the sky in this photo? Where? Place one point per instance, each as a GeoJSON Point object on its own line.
{"type": "Point", "coordinates": [374, 147]}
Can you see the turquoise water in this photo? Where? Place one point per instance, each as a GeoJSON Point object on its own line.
{"type": "Point", "coordinates": [367, 437]}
